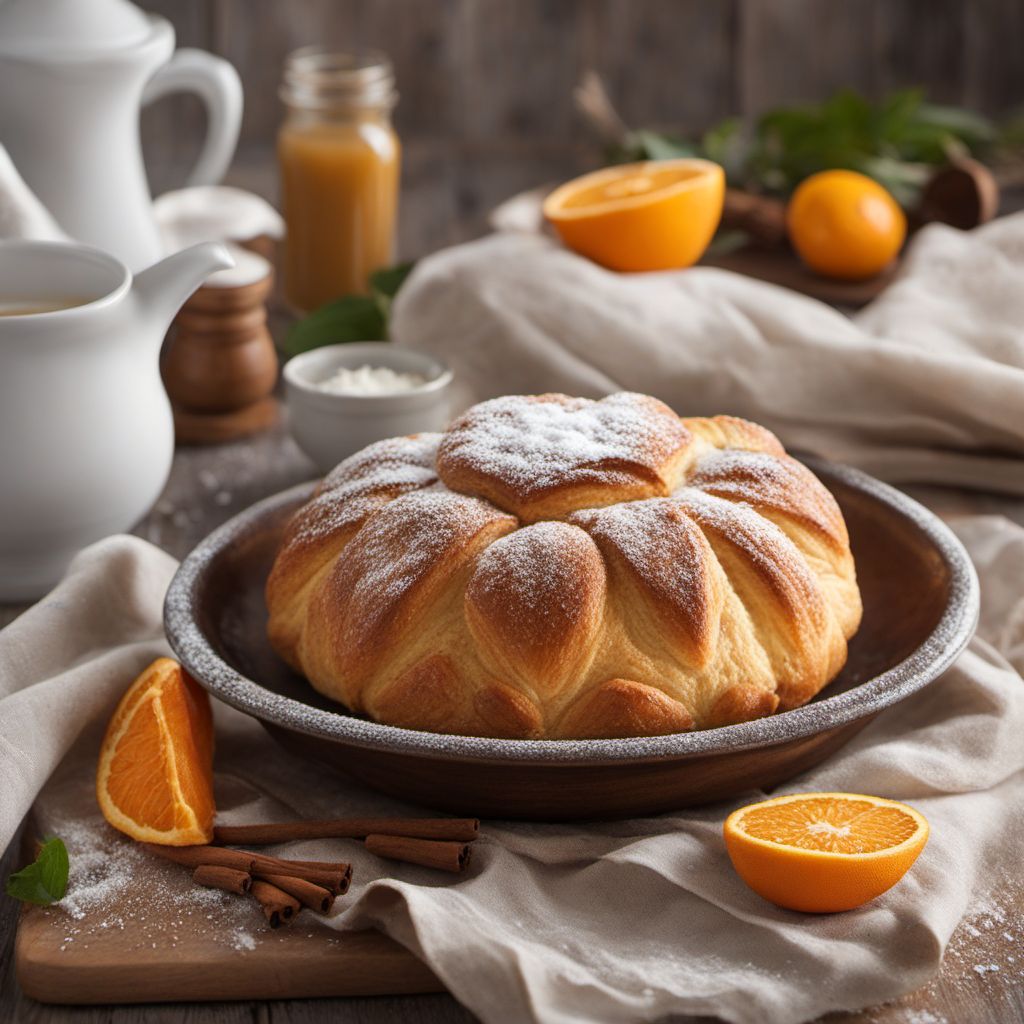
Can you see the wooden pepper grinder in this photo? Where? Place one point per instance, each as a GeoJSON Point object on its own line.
{"type": "Point", "coordinates": [219, 365]}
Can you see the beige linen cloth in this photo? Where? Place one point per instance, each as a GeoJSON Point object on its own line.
{"type": "Point", "coordinates": [626, 921]}
{"type": "Point", "coordinates": [926, 384]}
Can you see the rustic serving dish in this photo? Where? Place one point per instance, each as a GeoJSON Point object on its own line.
{"type": "Point", "coordinates": [920, 598]}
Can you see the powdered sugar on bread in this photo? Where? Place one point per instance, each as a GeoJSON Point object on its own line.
{"type": "Point", "coordinates": [568, 567]}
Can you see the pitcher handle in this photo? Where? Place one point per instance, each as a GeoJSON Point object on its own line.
{"type": "Point", "coordinates": [217, 84]}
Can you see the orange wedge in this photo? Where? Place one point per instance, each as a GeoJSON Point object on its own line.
{"type": "Point", "coordinates": [155, 776]}
{"type": "Point", "coordinates": [824, 852]}
{"type": "Point", "coordinates": [658, 215]}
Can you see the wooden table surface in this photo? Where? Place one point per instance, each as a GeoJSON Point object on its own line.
{"type": "Point", "coordinates": [208, 486]}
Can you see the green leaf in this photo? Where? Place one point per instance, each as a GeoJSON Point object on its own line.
{"type": "Point", "coordinates": [649, 145]}
{"type": "Point", "coordinates": [45, 880]}
{"type": "Point", "coordinates": [384, 285]}
{"type": "Point", "coordinates": [386, 282]}
{"type": "Point", "coordinates": [664, 147]}
{"type": "Point", "coordinates": [966, 125]}
{"type": "Point", "coordinates": [724, 143]}
{"type": "Point", "coordinates": [350, 318]}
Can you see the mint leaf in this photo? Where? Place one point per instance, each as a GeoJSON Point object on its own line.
{"type": "Point", "coordinates": [386, 282]}
{"type": "Point", "coordinates": [45, 880]}
{"type": "Point", "coordinates": [350, 318]}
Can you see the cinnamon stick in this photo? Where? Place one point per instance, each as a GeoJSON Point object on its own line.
{"type": "Point", "coordinates": [462, 829]}
{"type": "Point", "coordinates": [446, 856]}
{"type": "Point", "coordinates": [335, 882]}
{"type": "Point", "coordinates": [200, 856]}
{"type": "Point", "coordinates": [214, 876]}
{"type": "Point", "coordinates": [333, 876]}
{"type": "Point", "coordinates": [316, 897]}
{"type": "Point", "coordinates": [278, 907]}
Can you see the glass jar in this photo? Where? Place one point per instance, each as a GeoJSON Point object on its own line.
{"type": "Point", "coordinates": [339, 159]}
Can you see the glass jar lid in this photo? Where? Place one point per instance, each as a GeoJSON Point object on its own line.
{"type": "Point", "coordinates": [321, 79]}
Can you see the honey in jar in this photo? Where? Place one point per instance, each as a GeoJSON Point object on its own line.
{"type": "Point", "coordinates": [340, 159]}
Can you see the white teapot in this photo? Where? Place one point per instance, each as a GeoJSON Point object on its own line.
{"type": "Point", "coordinates": [73, 77]}
{"type": "Point", "coordinates": [87, 430]}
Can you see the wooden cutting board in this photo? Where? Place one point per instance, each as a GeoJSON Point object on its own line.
{"type": "Point", "coordinates": [157, 937]}
{"type": "Point", "coordinates": [116, 966]}
{"type": "Point", "coordinates": [780, 266]}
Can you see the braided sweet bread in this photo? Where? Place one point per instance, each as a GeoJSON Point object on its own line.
{"type": "Point", "coordinates": [559, 567]}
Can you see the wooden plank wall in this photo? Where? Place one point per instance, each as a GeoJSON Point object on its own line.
{"type": "Point", "coordinates": [486, 85]}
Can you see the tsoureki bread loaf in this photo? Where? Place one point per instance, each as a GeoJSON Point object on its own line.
{"type": "Point", "coordinates": [559, 567]}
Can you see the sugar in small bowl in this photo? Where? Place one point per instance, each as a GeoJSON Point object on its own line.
{"type": "Point", "coordinates": [343, 397]}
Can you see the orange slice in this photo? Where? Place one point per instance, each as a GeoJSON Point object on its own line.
{"type": "Point", "coordinates": [658, 215]}
{"type": "Point", "coordinates": [824, 852]}
{"type": "Point", "coordinates": [155, 776]}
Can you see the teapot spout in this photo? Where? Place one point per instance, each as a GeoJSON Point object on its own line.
{"type": "Point", "coordinates": [161, 290]}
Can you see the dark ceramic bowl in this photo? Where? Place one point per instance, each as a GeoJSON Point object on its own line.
{"type": "Point", "coordinates": [920, 598]}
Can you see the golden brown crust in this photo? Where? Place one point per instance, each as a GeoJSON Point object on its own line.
{"type": "Point", "coordinates": [624, 707]}
{"type": "Point", "coordinates": [428, 695]}
{"type": "Point", "coordinates": [741, 703]}
{"type": "Point", "coordinates": [534, 604]}
{"type": "Point", "coordinates": [732, 432]}
{"type": "Point", "coordinates": [389, 583]}
{"type": "Point", "coordinates": [320, 530]}
{"type": "Point", "coordinates": [556, 567]}
{"type": "Point", "coordinates": [508, 712]}
{"type": "Point", "coordinates": [543, 456]}
{"type": "Point", "coordinates": [660, 558]}
{"type": "Point", "coordinates": [774, 582]}
{"type": "Point", "coordinates": [774, 483]}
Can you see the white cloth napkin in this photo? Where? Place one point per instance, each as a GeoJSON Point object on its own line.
{"type": "Point", "coordinates": [625, 921]}
{"type": "Point", "coordinates": [926, 384]}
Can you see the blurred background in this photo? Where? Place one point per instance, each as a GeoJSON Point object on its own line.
{"type": "Point", "coordinates": [486, 86]}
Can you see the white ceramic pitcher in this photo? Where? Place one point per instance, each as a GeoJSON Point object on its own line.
{"type": "Point", "coordinates": [86, 426]}
{"type": "Point", "coordinates": [73, 77]}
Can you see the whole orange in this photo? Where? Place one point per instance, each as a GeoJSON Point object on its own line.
{"type": "Point", "coordinates": [843, 224]}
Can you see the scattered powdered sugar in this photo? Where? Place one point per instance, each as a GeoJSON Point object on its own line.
{"type": "Point", "coordinates": [404, 541]}
{"type": "Point", "coordinates": [550, 570]}
{"type": "Point", "coordinates": [771, 481]}
{"type": "Point", "coordinates": [242, 940]}
{"type": "Point", "coordinates": [528, 444]}
{"type": "Point", "coordinates": [363, 482]}
{"type": "Point", "coordinates": [768, 549]}
{"type": "Point", "coordinates": [987, 947]}
{"type": "Point", "coordinates": [103, 866]}
{"type": "Point", "coordinates": [985, 968]}
{"type": "Point", "coordinates": [393, 452]}
{"type": "Point", "coordinates": [663, 547]}
{"type": "Point", "coordinates": [115, 885]}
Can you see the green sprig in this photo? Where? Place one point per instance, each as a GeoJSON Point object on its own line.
{"type": "Point", "coordinates": [897, 141]}
{"type": "Point", "coordinates": [351, 317]}
{"type": "Point", "coordinates": [45, 880]}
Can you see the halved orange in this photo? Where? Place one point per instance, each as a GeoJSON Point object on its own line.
{"type": "Point", "coordinates": [657, 215]}
{"type": "Point", "coordinates": [824, 852]}
{"type": "Point", "coordinates": [155, 776]}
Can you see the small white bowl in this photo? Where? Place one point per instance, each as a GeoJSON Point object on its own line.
{"type": "Point", "coordinates": [329, 427]}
